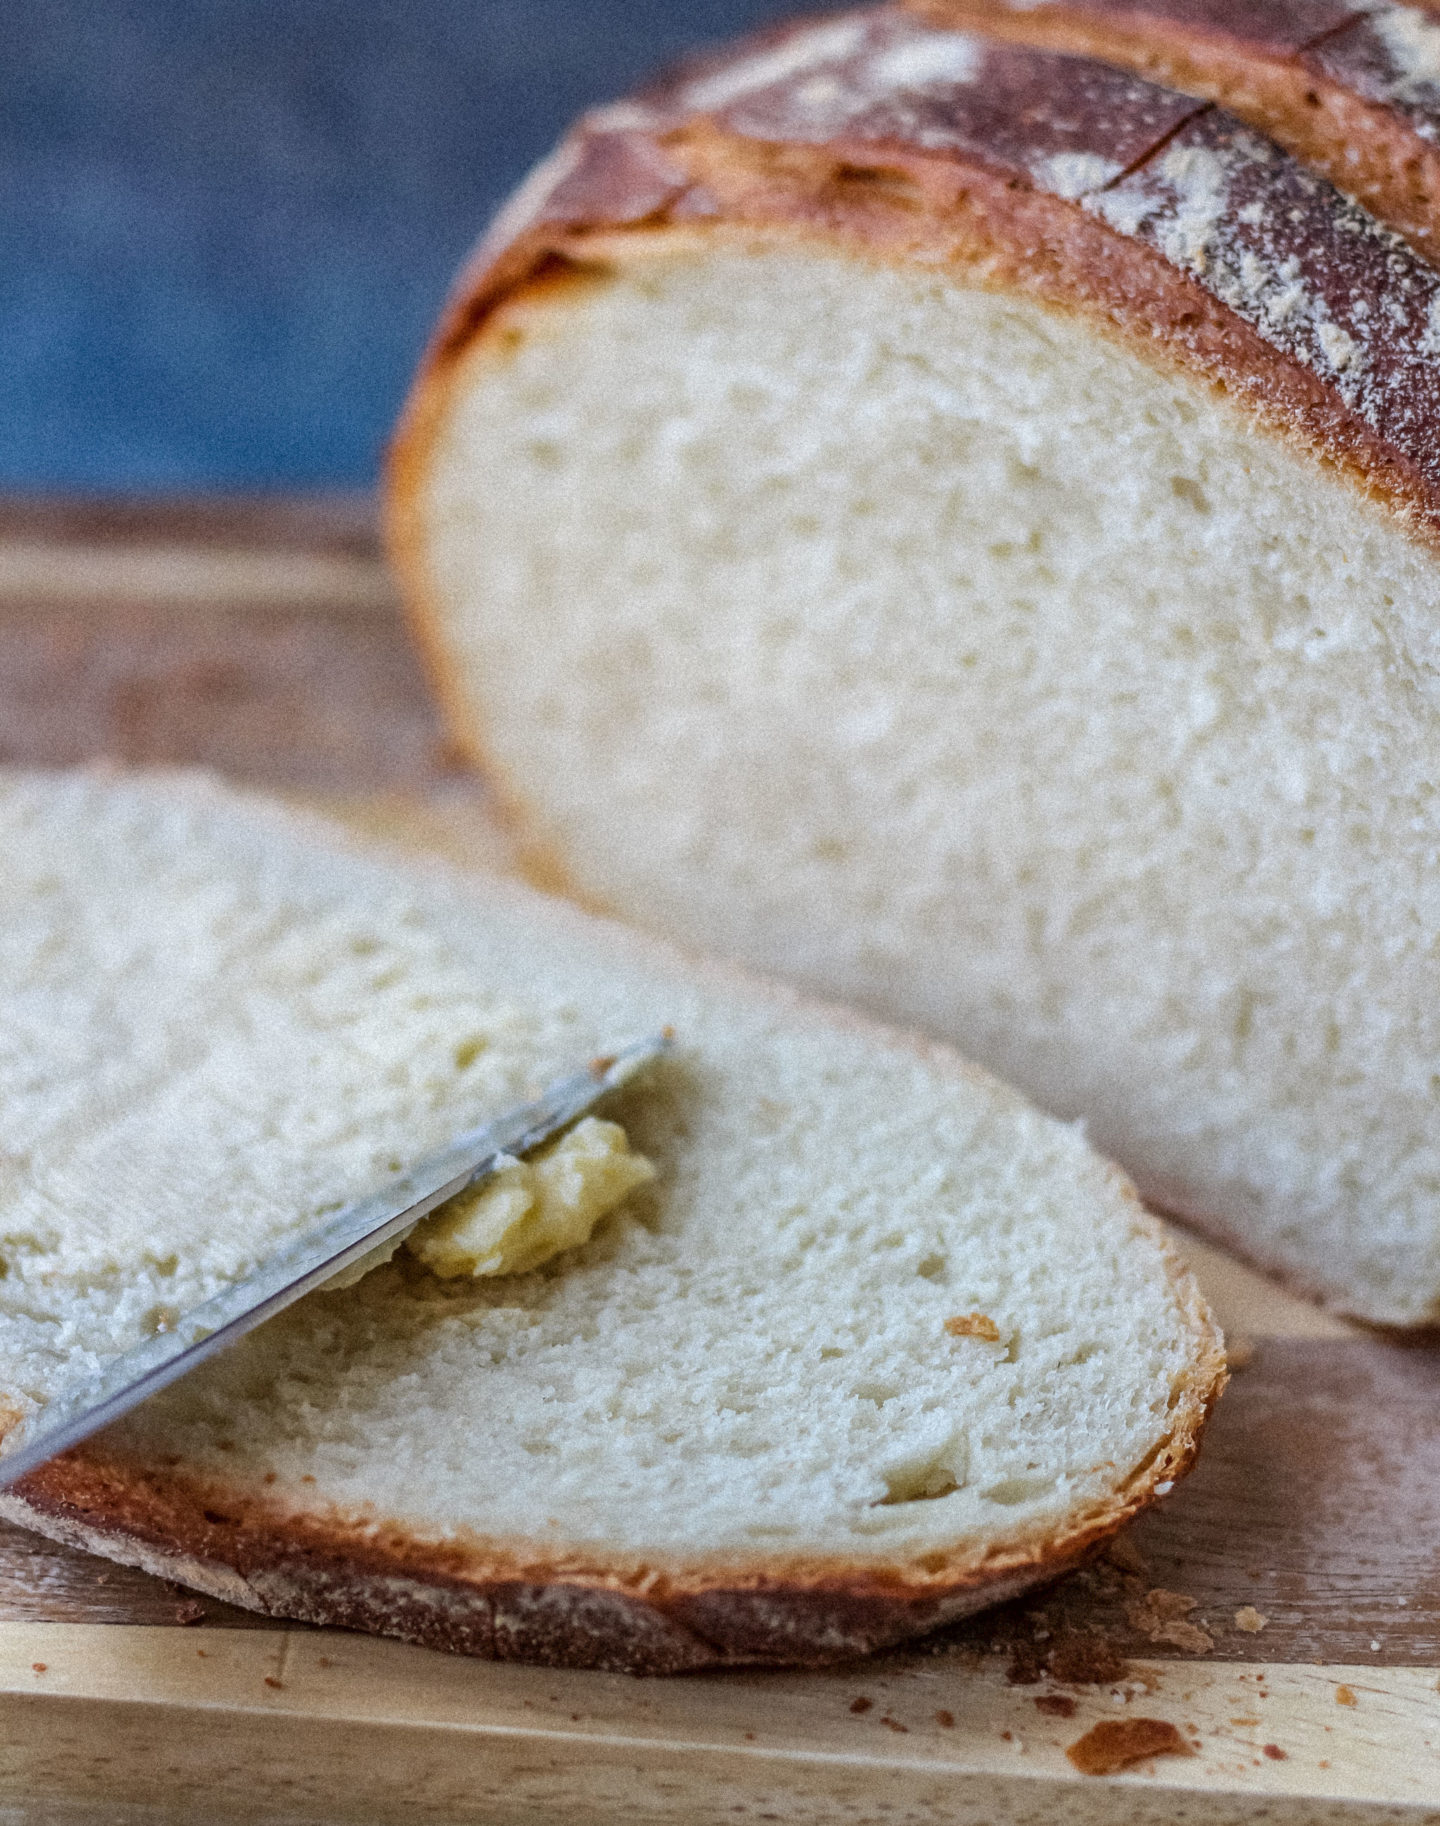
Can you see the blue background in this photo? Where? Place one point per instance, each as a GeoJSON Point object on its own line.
{"type": "Point", "coordinates": [227, 225]}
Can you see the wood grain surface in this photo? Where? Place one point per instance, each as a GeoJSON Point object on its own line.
{"type": "Point", "coordinates": [261, 640]}
{"type": "Point", "coordinates": [1287, 1595]}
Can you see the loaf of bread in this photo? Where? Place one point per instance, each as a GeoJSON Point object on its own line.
{"type": "Point", "coordinates": [955, 523]}
{"type": "Point", "coordinates": [875, 1345]}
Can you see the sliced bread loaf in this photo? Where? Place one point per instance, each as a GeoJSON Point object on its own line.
{"type": "Point", "coordinates": [975, 512]}
{"type": "Point", "coordinates": [877, 1345]}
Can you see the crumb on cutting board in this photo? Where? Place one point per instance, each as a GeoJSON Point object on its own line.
{"type": "Point", "coordinates": [1162, 1616]}
{"type": "Point", "coordinates": [1115, 1743]}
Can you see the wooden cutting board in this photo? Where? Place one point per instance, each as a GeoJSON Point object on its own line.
{"type": "Point", "coordinates": [1282, 1610]}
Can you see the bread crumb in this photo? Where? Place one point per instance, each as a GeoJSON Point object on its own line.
{"type": "Point", "coordinates": [323, 1661]}
{"type": "Point", "coordinates": [894, 1724]}
{"type": "Point", "coordinates": [947, 1719]}
{"type": "Point", "coordinates": [1056, 1705]}
{"type": "Point", "coordinates": [1162, 1605]}
{"type": "Point", "coordinates": [973, 1325]}
{"type": "Point", "coordinates": [1239, 1353]}
{"type": "Point", "coordinates": [1161, 1616]}
{"type": "Point", "coordinates": [1117, 1742]}
{"type": "Point", "coordinates": [191, 1611]}
{"type": "Point", "coordinates": [1188, 1637]}
{"type": "Point", "coordinates": [1275, 1753]}
{"type": "Point", "coordinates": [271, 1681]}
{"type": "Point", "coordinates": [862, 1704]}
{"type": "Point", "coordinates": [1345, 1696]}
{"type": "Point", "coordinates": [39, 1666]}
{"type": "Point", "coordinates": [1249, 1619]}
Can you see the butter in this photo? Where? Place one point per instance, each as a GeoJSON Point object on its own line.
{"type": "Point", "coordinates": [531, 1210]}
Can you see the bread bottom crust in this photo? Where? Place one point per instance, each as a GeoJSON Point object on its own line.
{"type": "Point", "coordinates": [550, 1625]}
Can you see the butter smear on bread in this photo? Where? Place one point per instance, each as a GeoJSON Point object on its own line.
{"type": "Point", "coordinates": [531, 1210]}
{"type": "Point", "coordinates": [523, 1213]}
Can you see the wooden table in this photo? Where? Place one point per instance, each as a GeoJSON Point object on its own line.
{"type": "Point", "coordinates": [263, 641]}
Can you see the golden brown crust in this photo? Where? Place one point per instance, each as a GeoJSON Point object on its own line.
{"type": "Point", "coordinates": [514, 1600]}
{"type": "Point", "coordinates": [1321, 77]}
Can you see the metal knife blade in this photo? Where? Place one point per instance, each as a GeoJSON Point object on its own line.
{"type": "Point", "coordinates": [306, 1263]}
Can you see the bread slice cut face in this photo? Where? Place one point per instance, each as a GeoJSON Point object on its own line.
{"type": "Point", "coordinates": [877, 1345]}
{"type": "Point", "coordinates": [982, 567]}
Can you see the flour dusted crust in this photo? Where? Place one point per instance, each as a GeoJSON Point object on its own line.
{"type": "Point", "coordinates": [1353, 91]}
{"type": "Point", "coordinates": [1169, 224]}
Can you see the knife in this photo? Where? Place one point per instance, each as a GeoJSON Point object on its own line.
{"type": "Point", "coordinates": [308, 1261]}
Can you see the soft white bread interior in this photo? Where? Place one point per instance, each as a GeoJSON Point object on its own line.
{"type": "Point", "coordinates": [912, 638]}
{"type": "Point", "coordinates": [740, 1398]}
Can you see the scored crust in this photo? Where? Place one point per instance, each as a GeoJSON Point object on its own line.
{"type": "Point", "coordinates": [1353, 92]}
{"type": "Point", "coordinates": [516, 1600]}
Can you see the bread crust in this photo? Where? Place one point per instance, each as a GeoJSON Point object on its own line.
{"type": "Point", "coordinates": [1321, 77]}
{"type": "Point", "coordinates": [566, 1607]}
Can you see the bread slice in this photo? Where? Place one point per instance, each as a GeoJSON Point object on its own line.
{"type": "Point", "coordinates": [1352, 91]}
{"type": "Point", "coordinates": [975, 513]}
{"type": "Point", "coordinates": [879, 1344]}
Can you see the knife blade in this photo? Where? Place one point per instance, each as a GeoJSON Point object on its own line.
{"type": "Point", "coordinates": [306, 1262]}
